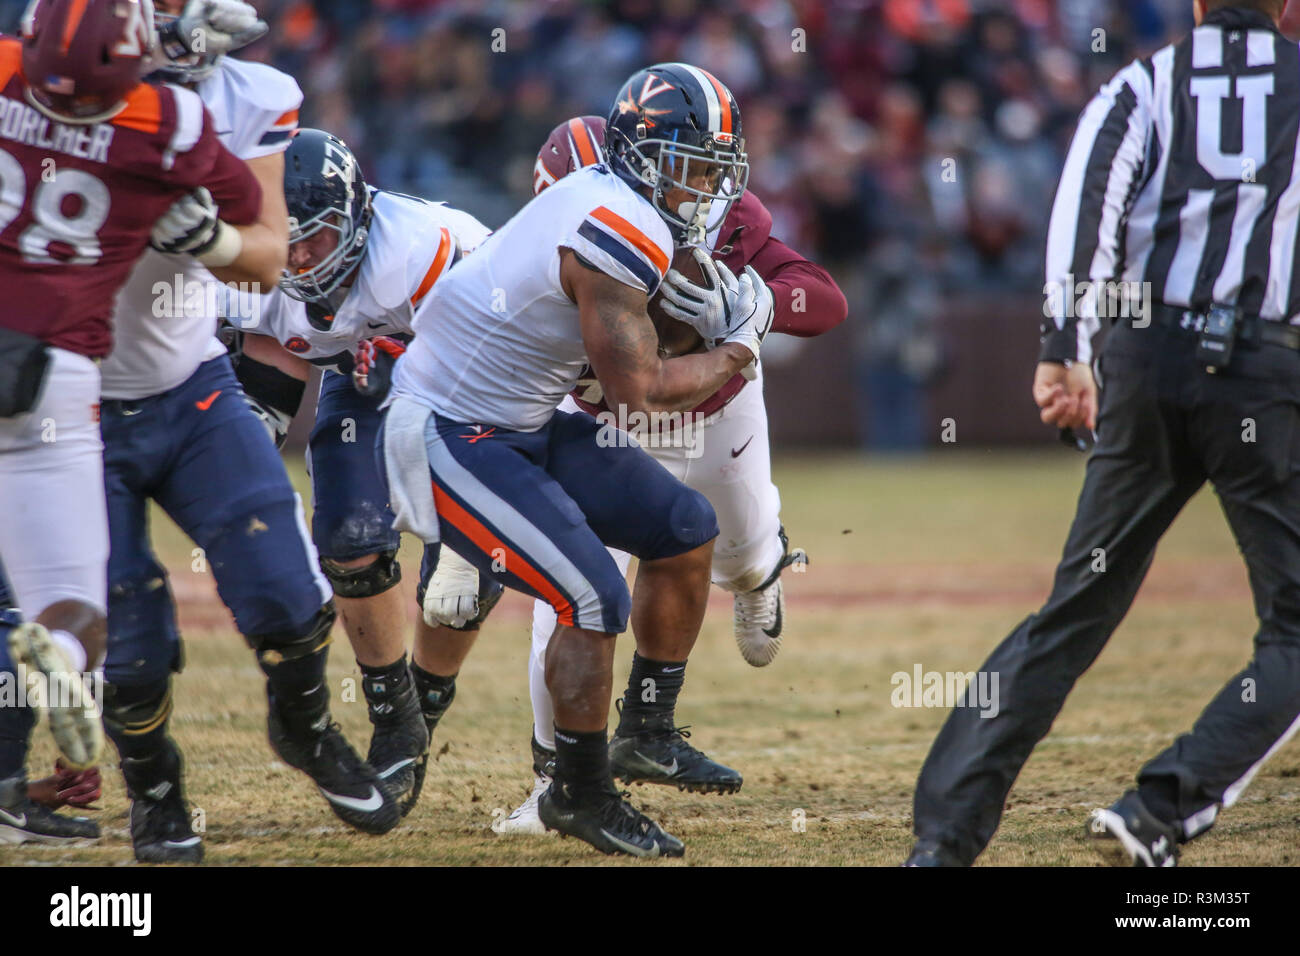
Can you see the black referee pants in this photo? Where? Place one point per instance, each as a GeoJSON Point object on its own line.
{"type": "Point", "coordinates": [1165, 426]}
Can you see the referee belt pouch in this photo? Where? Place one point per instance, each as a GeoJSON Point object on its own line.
{"type": "Point", "coordinates": [24, 360]}
{"type": "Point", "coordinates": [1222, 329]}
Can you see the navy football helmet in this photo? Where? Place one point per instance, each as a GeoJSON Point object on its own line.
{"type": "Point", "coordinates": [670, 121]}
{"type": "Point", "coordinates": [323, 189]}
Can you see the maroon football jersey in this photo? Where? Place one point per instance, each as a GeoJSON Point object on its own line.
{"type": "Point", "coordinates": [77, 202]}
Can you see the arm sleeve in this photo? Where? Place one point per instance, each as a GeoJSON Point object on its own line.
{"type": "Point", "coordinates": [1085, 239]}
{"type": "Point", "coordinates": [634, 253]}
{"type": "Point", "coordinates": [807, 300]}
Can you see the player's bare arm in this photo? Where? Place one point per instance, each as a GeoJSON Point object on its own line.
{"type": "Point", "coordinates": [624, 349]}
{"type": "Point", "coordinates": [265, 244]}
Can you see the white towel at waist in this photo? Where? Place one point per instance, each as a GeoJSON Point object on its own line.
{"type": "Point", "coordinates": [410, 484]}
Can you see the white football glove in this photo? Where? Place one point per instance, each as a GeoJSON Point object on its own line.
{"type": "Point", "coordinates": [213, 27]}
{"type": "Point", "coordinates": [751, 306]}
{"type": "Point", "coordinates": [452, 595]}
{"type": "Point", "coordinates": [704, 308]}
{"type": "Point", "coordinates": [190, 227]}
{"type": "Point", "coordinates": [189, 224]}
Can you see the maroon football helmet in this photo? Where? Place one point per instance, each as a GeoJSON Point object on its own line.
{"type": "Point", "coordinates": [82, 57]}
{"type": "Point", "coordinates": [573, 144]}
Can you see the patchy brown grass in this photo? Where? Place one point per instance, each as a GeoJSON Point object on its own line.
{"type": "Point", "coordinates": [942, 557]}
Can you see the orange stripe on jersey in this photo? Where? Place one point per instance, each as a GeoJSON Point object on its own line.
{"type": "Point", "coordinates": [75, 12]}
{"type": "Point", "coordinates": [488, 543]}
{"type": "Point", "coordinates": [143, 110]}
{"type": "Point", "coordinates": [582, 140]}
{"type": "Point", "coordinates": [288, 119]}
{"type": "Point", "coordinates": [635, 236]}
{"type": "Point", "coordinates": [724, 101]}
{"type": "Point", "coordinates": [11, 60]}
{"type": "Point", "coordinates": [435, 270]}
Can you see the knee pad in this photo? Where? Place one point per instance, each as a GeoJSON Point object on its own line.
{"type": "Point", "coordinates": [136, 710]}
{"type": "Point", "coordinates": [374, 578]}
{"type": "Point", "coordinates": [276, 648]}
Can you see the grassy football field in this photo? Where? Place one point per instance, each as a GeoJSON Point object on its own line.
{"type": "Point", "coordinates": [928, 561]}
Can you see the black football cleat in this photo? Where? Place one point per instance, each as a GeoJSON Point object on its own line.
{"type": "Point", "coordinates": [22, 820]}
{"type": "Point", "coordinates": [1147, 840]}
{"type": "Point", "coordinates": [160, 820]}
{"type": "Point", "coordinates": [350, 785]}
{"type": "Point", "coordinates": [399, 744]}
{"type": "Point", "coordinates": [930, 854]}
{"type": "Point", "coordinates": [663, 756]}
{"type": "Point", "coordinates": [606, 820]}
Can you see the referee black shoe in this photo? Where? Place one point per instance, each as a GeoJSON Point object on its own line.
{"type": "Point", "coordinates": [350, 785]}
{"type": "Point", "coordinates": [22, 820]}
{"type": "Point", "coordinates": [926, 853]}
{"type": "Point", "coordinates": [606, 820]}
{"type": "Point", "coordinates": [1147, 840]}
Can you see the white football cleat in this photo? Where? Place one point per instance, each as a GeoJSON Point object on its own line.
{"type": "Point", "coordinates": [525, 819]}
{"type": "Point", "coordinates": [75, 718]}
{"type": "Point", "coordinates": [759, 617]}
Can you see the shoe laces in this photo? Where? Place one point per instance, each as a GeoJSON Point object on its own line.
{"type": "Point", "coordinates": [755, 608]}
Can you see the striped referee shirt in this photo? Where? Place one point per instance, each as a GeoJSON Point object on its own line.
{"type": "Point", "coordinates": [1183, 182]}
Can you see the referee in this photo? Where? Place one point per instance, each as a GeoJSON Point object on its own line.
{"type": "Point", "coordinates": [1183, 181]}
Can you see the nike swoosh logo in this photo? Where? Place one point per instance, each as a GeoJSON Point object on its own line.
{"type": "Point", "coordinates": [631, 848]}
{"type": "Point", "coordinates": [775, 630]}
{"type": "Point", "coordinates": [674, 670]}
{"type": "Point", "coordinates": [131, 411]}
{"type": "Point", "coordinates": [374, 325]}
{"type": "Point", "coordinates": [192, 841]}
{"type": "Point", "coordinates": [19, 821]}
{"type": "Point", "coordinates": [396, 767]}
{"type": "Point", "coordinates": [204, 405]}
{"type": "Point", "coordinates": [369, 805]}
{"type": "Point", "coordinates": [736, 453]}
{"type": "Point", "coordinates": [670, 770]}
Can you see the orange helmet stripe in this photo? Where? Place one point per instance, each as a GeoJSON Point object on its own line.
{"type": "Point", "coordinates": [724, 101]}
{"type": "Point", "coordinates": [75, 12]}
{"type": "Point", "coordinates": [582, 142]}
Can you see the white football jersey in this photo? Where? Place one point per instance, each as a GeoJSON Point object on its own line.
{"type": "Point", "coordinates": [165, 316]}
{"type": "Point", "coordinates": [411, 245]}
{"type": "Point", "coordinates": [498, 342]}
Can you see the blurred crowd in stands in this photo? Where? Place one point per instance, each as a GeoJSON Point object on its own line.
{"type": "Point", "coordinates": [912, 146]}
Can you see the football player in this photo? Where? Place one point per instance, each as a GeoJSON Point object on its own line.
{"type": "Point", "coordinates": [178, 430]}
{"type": "Point", "coordinates": [95, 165]}
{"type": "Point", "coordinates": [26, 806]}
{"type": "Point", "coordinates": [727, 458]}
{"type": "Point", "coordinates": [361, 260]}
{"type": "Point", "coordinates": [531, 495]}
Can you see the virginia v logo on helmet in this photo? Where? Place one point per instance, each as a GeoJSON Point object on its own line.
{"type": "Point", "coordinates": [676, 129]}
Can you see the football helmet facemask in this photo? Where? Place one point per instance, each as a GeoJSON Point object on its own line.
{"type": "Point", "coordinates": [324, 189]}
{"type": "Point", "coordinates": [676, 127]}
